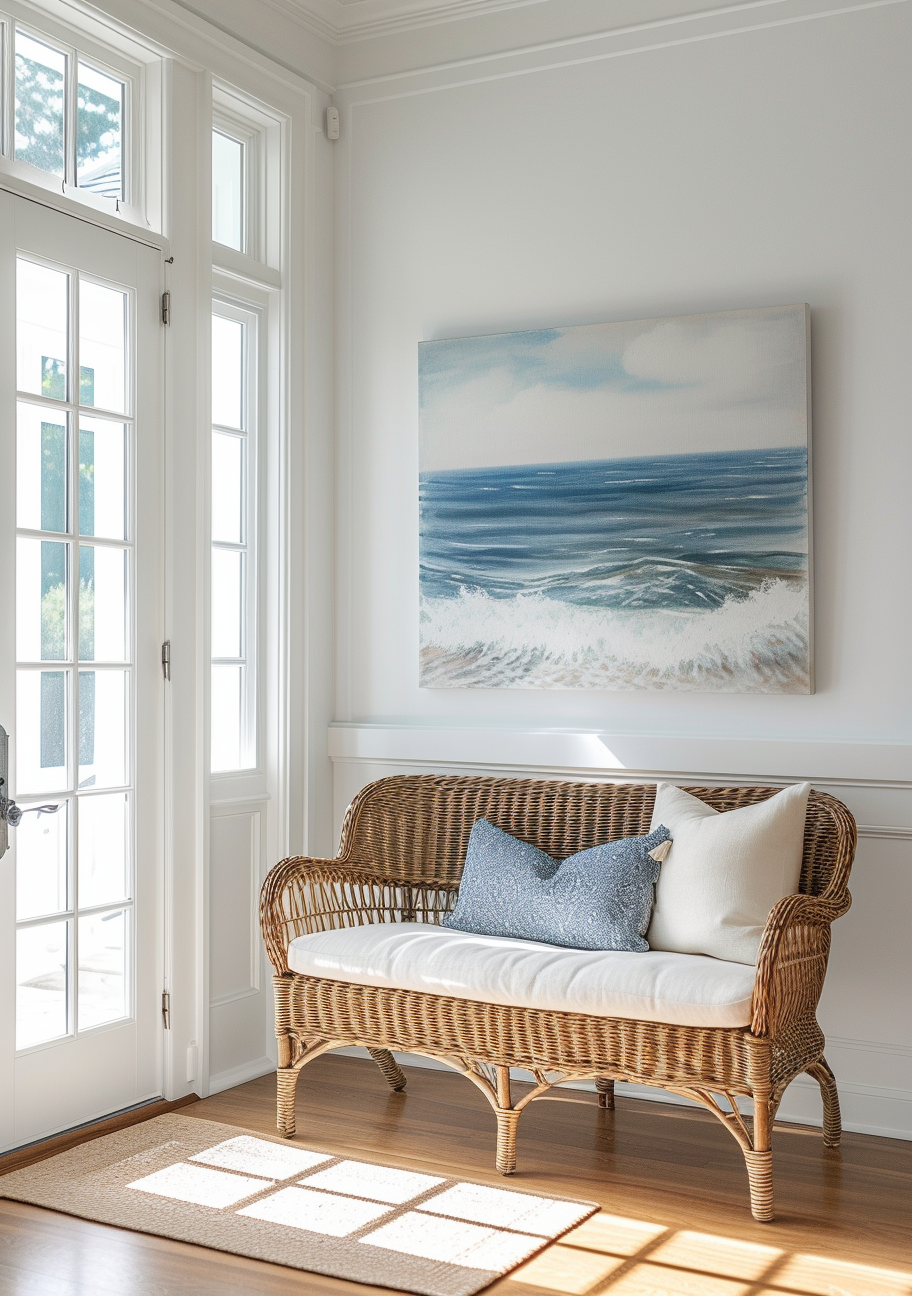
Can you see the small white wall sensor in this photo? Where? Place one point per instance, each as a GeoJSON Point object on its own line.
{"type": "Point", "coordinates": [332, 123]}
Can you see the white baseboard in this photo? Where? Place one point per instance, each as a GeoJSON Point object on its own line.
{"type": "Point", "coordinates": [241, 1074]}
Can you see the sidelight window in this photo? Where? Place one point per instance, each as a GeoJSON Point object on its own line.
{"type": "Point", "coordinates": [234, 533]}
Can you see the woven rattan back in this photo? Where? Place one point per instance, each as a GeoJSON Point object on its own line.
{"type": "Point", "coordinates": [415, 828]}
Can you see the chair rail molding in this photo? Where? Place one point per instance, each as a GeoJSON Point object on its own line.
{"type": "Point", "coordinates": [565, 752]}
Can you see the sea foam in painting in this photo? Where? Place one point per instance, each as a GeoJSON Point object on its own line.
{"type": "Point", "coordinates": [620, 506]}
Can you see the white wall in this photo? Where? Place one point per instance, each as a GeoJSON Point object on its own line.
{"type": "Point", "coordinates": [754, 158]}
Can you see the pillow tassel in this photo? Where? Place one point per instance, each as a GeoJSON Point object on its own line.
{"type": "Point", "coordinates": [661, 851]}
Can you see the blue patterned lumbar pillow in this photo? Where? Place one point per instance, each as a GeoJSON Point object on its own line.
{"type": "Point", "coordinates": [599, 899]}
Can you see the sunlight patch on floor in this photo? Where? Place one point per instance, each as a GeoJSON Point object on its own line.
{"type": "Point", "coordinates": [820, 1276]}
{"type": "Point", "coordinates": [566, 1269]}
{"type": "Point", "coordinates": [709, 1253]}
{"type": "Point", "coordinates": [627, 1257]}
{"type": "Point", "coordinates": [614, 1234]}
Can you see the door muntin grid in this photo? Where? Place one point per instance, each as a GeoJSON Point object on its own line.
{"type": "Point", "coordinates": [75, 636]}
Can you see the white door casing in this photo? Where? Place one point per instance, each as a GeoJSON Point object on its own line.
{"type": "Point", "coordinates": [105, 1059]}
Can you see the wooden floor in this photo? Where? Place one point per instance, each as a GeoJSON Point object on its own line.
{"type": "Point", "coordinates": [671, 1183]}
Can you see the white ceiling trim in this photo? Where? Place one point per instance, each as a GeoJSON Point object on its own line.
{"type": "Point", "coordinates": [349, 20]}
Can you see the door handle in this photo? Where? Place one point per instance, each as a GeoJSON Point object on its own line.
{"type": "Point", "coordinates": [13, 814]}
{"type": "Point", "coordinates": [10, 813]}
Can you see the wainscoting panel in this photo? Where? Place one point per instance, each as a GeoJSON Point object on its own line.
{"type": "Point", "coordinates": [240, 997]}
{"type": "Point", "coordinates": [864, 1010]}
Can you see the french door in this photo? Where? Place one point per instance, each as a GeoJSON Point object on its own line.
{"type": "Point", "coordinates": [80, 679]}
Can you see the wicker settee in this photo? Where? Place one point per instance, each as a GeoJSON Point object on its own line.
{"type": "Point", "coordinates": [401, 855]}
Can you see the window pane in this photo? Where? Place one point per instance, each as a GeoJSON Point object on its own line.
{"type": "Point", "coordinates": [227, 372]}
{"type": "Point", "coordinates": [102, 346]}
{"type": "Point", "coordinates": [102, 479]}
{"type": "Point", "coordinates": [41, 983]}
{"type": "Point", "coordinates": [40, 73]}
{"type": "Point", "coordinates": [227, 488]}
{"type": "Point", "coordinates": [102, 728]}
{"type": "Point", "coordinates": [41, 588]}
{"type": "Point", "coordinates": [102, 982]}
{"type": "Point", "coordinates": [40, 731]}
{"type": "Point", "coordinates": [103, 852]}
{"type": "Point", "coordinates": [41, 864]}
{"type": "Point", "coordinates": [41, 469]}
{"type": "Point", "coordinates": [99, 131]}
{"type": "Point", "coordinates": [102, 604]}
{"type": "Point", "coordinates": [226, 718]}
{"type": "Point", "coordinates": [227, 191]}
{"type": "Point", "coordinates": [226, 603]}
{"type": "Point", "coordinates": [42, 297]}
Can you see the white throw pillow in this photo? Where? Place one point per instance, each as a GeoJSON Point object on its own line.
{"type": "Point", "coordinates": [725, 871]}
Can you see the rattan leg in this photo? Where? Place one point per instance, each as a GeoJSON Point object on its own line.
{"type": "Point", "coordinates": [759, 1161]}
{"type": "Point", "coordinates": [390, 1068]}
{"type": "Point", "coordinates": [286, 1084]}
{"type": "Point", "coordinates": [760, 1175]}
{"type": "Point", "coordinates": [507, 1121]}
{"type": "Point", "coordinates": [832, 1120]}
{"type": "Point", "coordinates": [605, 1089]}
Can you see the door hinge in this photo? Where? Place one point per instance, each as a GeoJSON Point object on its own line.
{"type": "Point", "coordinates": [166, 308]}
{"type": "Point", "coordinates": [166, 1009]}
{"type": "Point", "coordinates": [166, 659]}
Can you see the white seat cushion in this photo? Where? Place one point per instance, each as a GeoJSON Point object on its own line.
{"type": "Point", "coordinates": [684, 989]}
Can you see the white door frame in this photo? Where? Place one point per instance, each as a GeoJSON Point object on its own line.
{"type": "Point", "coordinates": [56, 1085]}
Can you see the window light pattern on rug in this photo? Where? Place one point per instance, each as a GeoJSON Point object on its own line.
{"type": "Point", "coordinates": [464, 1224]}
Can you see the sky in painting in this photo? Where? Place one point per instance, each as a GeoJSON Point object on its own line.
{"type": "Point", "coordinates": [694, 384]}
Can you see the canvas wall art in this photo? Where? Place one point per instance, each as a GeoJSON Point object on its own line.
{"type": "Point", "coordinates": [618, 506]}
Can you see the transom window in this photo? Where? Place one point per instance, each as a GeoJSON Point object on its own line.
{"type": "Point", "coordinates": [71, 112]}
{"type": "Point", "coordinates": [229, 190]}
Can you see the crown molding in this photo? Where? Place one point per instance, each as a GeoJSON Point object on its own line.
{"type": "Point", "coordinates": [341, 21]}
{"type": "Point", "coordinates": [346, 21]}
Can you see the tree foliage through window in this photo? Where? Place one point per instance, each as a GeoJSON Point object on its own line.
{"type": "Point", "coordinates": [40, 98]}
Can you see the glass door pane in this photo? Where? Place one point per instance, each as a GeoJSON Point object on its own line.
{"type": "Point", "coordinates": [73, 598]}
{"type": "Point", "coordinates": [42, 329]}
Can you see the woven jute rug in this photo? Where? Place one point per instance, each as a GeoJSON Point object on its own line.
{"type": "Point", "coordinates": [235, 1190]}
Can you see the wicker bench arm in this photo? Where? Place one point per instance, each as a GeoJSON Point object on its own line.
{"type": "Point", "coordinates": [792, 961]}
{"type": "Point", "coordinates": [301, 896]}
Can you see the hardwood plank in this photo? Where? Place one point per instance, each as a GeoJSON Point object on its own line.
{"type": "Point", "coordinates": [667, 1170]}
{"type": "Point", "coordinates": [19, 1158]}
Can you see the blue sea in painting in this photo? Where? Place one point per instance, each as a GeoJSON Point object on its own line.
{"type": "Point", "coordinates": [675, 571]}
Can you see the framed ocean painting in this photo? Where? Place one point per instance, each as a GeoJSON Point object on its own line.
{"type": "Point", "coordinates": [618, 506]}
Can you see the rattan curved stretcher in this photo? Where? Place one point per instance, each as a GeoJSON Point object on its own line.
{"type": "Point", "coordinates": [400, 859]}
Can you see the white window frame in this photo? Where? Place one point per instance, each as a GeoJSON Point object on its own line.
{"type": "Point", "coordinates": [229, 123]}
{"type": "Point", "coordinates": [123, 59]}
{"type": "Point", "coordinates": [251, 314]}
{"type": "Point", "coordinates": [262, 240]}
{"type": "Point", "coordinates": [251, 281]}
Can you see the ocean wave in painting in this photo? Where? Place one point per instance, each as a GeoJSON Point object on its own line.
{"type": "Point", "coordinates": [757, 644]}
{"type": "Point", "coordinates": [674, 572]}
